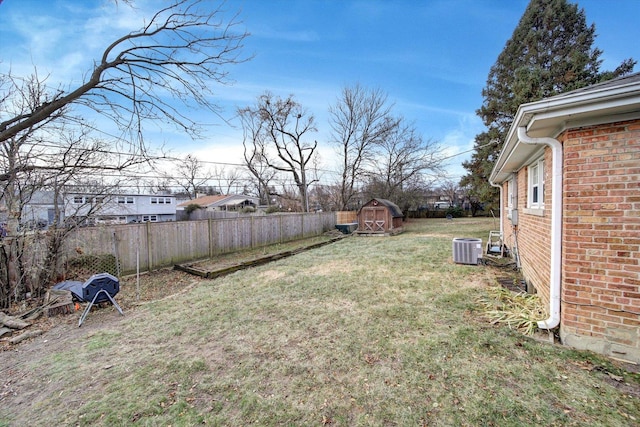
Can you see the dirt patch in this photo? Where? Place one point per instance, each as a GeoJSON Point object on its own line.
{"type": "Point", "coordinates": [153, 286]}
{"type": "Point", "coordinates": [134, 291]}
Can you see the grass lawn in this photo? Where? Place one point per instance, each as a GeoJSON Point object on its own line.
{"type": "Point", "coordinates": [367, 331]}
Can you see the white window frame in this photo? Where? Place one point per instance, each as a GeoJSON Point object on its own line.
{"type": "Point", "coordinates": [126, 200]}
{"type": "Point", "coordinates": [535, 191]}
{"type": "Point", "coordinates": [149, 218]}
{"type": "Point", "coordinates": [161, 200]}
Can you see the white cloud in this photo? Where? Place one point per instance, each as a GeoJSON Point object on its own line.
{"type": "Point", "coordinates": [458, 144]}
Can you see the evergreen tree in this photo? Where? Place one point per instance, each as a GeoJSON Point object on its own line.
{"type": "Point", "coordinates": [550, 52]}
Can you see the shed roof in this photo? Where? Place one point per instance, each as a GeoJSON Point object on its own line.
{"type": "Point", "coordinates": [396, 212]}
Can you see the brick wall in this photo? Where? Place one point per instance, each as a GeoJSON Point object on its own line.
{"type": "Point", "coordinates": [532, 236]}
{"type": "Point", "coordinates": [601, 239]}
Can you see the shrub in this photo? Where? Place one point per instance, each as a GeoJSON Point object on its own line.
{"type": "Point", "coordinates": [455, 212]}
{"type": "Point", "coordinates": [272, 209]}
{"type": "Point", "coordinates": [192, 207]}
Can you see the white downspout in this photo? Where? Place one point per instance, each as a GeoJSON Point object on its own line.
{"type": "Point", "coordinates": [555, 273]}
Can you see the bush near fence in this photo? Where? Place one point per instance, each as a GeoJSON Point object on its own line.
{"type": "Point", "coordinates": [153, 245]}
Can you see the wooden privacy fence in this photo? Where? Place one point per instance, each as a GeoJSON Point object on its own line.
{"type": "Point", "coordinates": [346, 217]}
{"type": "Point", "coordinates": [153, 245]}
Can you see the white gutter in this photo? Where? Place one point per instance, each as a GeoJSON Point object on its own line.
{"type": "Point", "coordinates": [556, 225]}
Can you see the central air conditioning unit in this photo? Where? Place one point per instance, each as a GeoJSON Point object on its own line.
{"type": "Point", "coordinates": [467, 250]}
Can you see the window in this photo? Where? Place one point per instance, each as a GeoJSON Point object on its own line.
{"type": "Point", "coordinates": [149, 218]}
{"type": "Point", "coordinates": [125, 199]}
{"type": "Point", "coordinates": [78, 200]}
{"type": "Point", "coordinates": [160, 200]}
{"type": "Point", "coordinates": [536, 185]}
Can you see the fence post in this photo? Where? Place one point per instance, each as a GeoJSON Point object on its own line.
{"type": "Point", "coordinates": [149, 260]}
{"type": "Point", "coordinates": [116, 252]}
{"type": "Point", "coordinates": [210, 228]}
{"type": "Point", "coordinates": [251, 239]}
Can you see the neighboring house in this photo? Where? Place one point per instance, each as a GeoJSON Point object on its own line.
{"type": "Point", "coordinates": [569, 175]}
{"type": "Point", "coordinates": [39, 211]}
{"type": "Point", "coordinates": [120, 208]}
{"type": "Point", "coordinates": [232, 202]}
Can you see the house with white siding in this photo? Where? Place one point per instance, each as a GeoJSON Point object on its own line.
{"type": "Point", "coordinates": [120, 208]}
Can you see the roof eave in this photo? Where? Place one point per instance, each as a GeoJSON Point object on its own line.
{"type": "Point", "coordinates": [551, 116]}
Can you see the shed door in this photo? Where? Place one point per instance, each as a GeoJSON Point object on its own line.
{"type": "Point", "coordinates": [375, 220]}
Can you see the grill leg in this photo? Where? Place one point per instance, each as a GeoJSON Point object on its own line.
{"type": "Point", "coordinates": [86, 310]}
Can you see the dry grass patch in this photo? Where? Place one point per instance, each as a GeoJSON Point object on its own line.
{"type": "Point", "coordinates": [519, 311]}
{"type": "Point", "coordinates": [331, 267]}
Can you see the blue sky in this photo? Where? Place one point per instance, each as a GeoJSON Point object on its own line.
{"type": "Point", "coordinates": [431, 57]}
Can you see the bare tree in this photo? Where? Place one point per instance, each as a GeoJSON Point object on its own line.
{"type": "Point", "coordinates": [403, 162]}
{"type": "Point", "coordinates": [253, 142]}
{"type": "Point", "coordinates": [68, 161]}
{"type": "Point", "coordinates": [190, 175]}
{"type": "Point", "coordinates": [229, 180]}
{"type": "Point", "coordinates": [152, 74]}
{"type": "Point", "coordinates": [451, 190]}
{"type": "Point", "coordinates": [284, 126]}
{"type": "Point", "coordinates": [360, 121]}
{"type": "Point", "coordinates": [180, 52]}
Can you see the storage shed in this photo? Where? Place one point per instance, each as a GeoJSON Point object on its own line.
{"type": "Point", "coordinates": [379, 217]}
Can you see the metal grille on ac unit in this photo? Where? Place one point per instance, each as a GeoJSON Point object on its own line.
{"type": "Point", "coordinates": [466, 250]}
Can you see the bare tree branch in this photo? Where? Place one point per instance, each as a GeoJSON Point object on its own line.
{"type": "Point", "coordinates": [402, 161]}
{"type": "Point", "coordinates": [157, 73]}
{"type": "Point", "coordinates": [253, 142]}
{"type": "Point", "coordinates": [360, 120]}
{"type": "Point", "coordinates": [181, 51]}
{"type": "Point", "coordinates": [282, 126]}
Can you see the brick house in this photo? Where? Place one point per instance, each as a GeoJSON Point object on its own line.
{"type": "Point", "coordinates": [569, 179]}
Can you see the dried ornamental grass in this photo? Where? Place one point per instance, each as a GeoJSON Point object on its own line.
{"type": "Point", "coordinates": [517, 310]}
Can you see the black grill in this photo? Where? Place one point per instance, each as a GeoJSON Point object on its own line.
{"type": "Point", "coordinates": [86, 291]}
{"type": "Point", "coordinates": [101, 287]}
